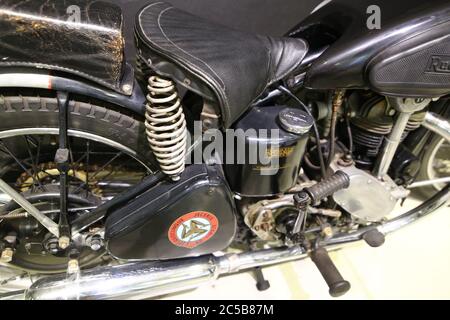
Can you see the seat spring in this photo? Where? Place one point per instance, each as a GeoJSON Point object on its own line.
{"type": "Point", "coordinates": [166, 126]}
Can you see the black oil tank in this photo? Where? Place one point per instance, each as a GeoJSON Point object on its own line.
{"type": "Point", "coordinates": [406, 25]}
{"type": "Point", "coordinates": [278, 172]}
{"type": "Point", "coordinates": [191, 217]}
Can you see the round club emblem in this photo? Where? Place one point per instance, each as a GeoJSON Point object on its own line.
{"type": "Point", "coordinates": [193, 229]}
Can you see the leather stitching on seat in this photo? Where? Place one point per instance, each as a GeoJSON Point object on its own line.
{"type": "Point", "coordinates": [269, 55]}
{"type": "Point", "coordinates": [184, 51]}
{"type": "Point", "coordinates": [287, 72]}
{"type": "Point", "coordinates": [290, 70]}
{"type": "Point", "coordinates": [194, 67]}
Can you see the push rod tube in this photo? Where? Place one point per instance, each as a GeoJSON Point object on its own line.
{"type": "Point", "coordinates": [391, 144]}
{"type": "Point", "coordinates": [405, 108]}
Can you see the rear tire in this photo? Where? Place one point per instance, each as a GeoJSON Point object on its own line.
{"type": "Point", "coordinates": [18, 112]}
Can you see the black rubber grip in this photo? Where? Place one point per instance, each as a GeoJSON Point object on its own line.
{"type": "Point", "coordinates": [325, 188]}
{"type": "Point", "coordinates": [336, 283]}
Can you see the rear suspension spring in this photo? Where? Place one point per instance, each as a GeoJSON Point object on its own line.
{"type": "Point", "coordinates": [166, 126]}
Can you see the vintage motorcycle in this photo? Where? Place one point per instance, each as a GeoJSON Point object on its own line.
{"type": "Point", "coordinates": [100, 198]}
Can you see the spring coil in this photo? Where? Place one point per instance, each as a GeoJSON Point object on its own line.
{"type": "Point", "coordinates": [166, 126]}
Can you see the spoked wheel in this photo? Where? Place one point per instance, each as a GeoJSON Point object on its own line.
{"type": "Point", "coordinates": [104, 161]}
{"type": "Point", "coordinates": [435, 165]}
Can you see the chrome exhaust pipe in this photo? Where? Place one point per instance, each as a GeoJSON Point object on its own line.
{"type": "Point", "coordinates": [145, 280]}
{"type": "Point", "coordinates": [151, 279]}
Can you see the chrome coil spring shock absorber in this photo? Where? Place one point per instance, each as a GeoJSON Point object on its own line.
{"type": "Point", "coordinates": [166, 126]}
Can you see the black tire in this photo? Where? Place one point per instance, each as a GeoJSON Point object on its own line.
{"type": "Point", "coordinates": [429, 191]}
{"type": "Point", "coordinates": [30, 112]}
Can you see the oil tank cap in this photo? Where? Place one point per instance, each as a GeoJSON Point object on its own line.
{"type": "Point", "coordinates": [295, 121]}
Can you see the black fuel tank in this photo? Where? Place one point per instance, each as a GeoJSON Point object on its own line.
{"type": "Point", "coordinates": [405, 57]}
{"type": "Point", "coordinates": [191, 217]}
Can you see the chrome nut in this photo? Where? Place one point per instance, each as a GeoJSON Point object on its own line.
{"type": "Point", "coordinates": [73, 266]}
{"type": "Point", "coordinates": [63, 242]}
{"type": "Point", "coordinates": [327, 232]}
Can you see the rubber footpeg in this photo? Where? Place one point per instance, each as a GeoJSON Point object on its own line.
{"type": "Point", "coordinates": [374, 238]}
{"type": "Point", "coordinates": [263, 286]}
{"type": "Point", "coordinates": [336, 283]}
{"type": "Point", "coordinates": [261, 283]}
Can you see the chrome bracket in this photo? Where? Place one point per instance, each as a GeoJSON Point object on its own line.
{"type": "Point", "coordinates": [437, 124]}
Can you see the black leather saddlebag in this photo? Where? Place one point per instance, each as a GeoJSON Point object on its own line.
{"type": "Point", "coordinates": [81, 37]}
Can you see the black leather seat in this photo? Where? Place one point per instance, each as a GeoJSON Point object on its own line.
{"type": "Point", "coordinates": [236, 66]}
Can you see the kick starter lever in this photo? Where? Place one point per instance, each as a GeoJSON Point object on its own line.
{"type": "Point", "coordinates": [313, 196]}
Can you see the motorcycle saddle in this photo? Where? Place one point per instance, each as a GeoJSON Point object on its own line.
{"type": "Point", "coordinates": [230, 67]}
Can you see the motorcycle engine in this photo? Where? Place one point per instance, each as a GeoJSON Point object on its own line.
{"type": "Point", "coordinates": [371, 121]}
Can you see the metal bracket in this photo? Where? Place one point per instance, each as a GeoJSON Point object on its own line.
{"type": "Point", "coordinates": [437, 124]}
{"type": "Point", "coordinates": [62, 161]}
{"type": "Point", "coordinates": [48, 223]}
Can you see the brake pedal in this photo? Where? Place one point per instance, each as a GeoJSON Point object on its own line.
{"type": "Point", "coordinates": [336, 283]}
{"type": "Point", "coordinates": [374, 238]}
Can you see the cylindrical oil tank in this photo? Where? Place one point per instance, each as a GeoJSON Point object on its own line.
{"type": "Point", "coordinates": [267, 150]}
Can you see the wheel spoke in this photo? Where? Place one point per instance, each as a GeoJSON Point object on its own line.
{"type": "Point", "coordinates": [104, 166]}
{"type": "Point", "coordinates": [112, 171]}
{"type": "Point", "coordinates": [87, 165]}
{"type": "Point", "coordinates": [6, 150]}
{"type": "Point", "coordinates": [77, 164]}
{"type": "Point", "coordinates": [34, 163]}
{"type": "Point", "coordinates": [38, 151]}
{"type": "Point", "coordinates": [88, 179]}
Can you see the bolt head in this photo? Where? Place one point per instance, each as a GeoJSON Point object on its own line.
{"type": "Point", "coordinates": [73, 266]}
{"type": "Point", "coordinates": [327, 232]}
{"type": "Point", "coordinates": [7, 255]}
{"type": "Point", "coordinates": [127, 88]}
{"type": "Point", "coordinates": [63, 242]}
{"type": "Point", "coordinates": [96, 246]}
